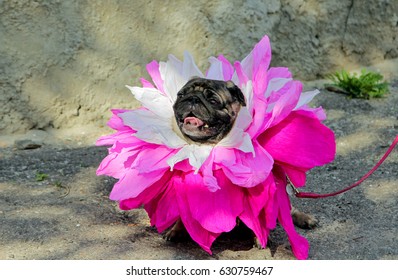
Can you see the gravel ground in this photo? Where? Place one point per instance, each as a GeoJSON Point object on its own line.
{"type": "Point", "coordinates": [53, 206]}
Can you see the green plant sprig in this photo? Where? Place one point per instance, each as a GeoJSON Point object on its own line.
{"type": "Point", "coordinates": [367, 85]}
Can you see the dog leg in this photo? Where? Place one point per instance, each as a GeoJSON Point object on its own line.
{"type": "Point", "coordinates": [176, 233]}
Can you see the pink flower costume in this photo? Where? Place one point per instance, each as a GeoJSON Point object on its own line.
{"type": "Point", "coordinates": [243, 176]}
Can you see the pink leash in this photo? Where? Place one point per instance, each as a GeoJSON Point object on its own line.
{"type": "Point", "coordinates": [316, 195]}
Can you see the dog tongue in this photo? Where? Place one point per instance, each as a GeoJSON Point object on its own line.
{"type": "Point", "coordinates": [193, 121]}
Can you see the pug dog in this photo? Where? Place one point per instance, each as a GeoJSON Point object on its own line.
{"type": "Point", "coordinates": [205, 112]}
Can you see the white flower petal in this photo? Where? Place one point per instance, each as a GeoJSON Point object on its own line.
{"type": "Point", "coordinates": [171, 73]}
{"type": "Point", "coordinates": [153, 100]}
{"type": "Point", "coordinates": [215, 71]}
{"type": "Point", "coordinates": [238, 138]}
{"type": "Point", "coordinates": [196, 154]}
{"type": "Point", "coordinates": [247, 91]}
{"type": "Point", "coordinates": [189, 68]}
{"type": "Point", "coordinates": [176, 74]}
{"type": "Point", "coordinates": [247, 145]}
{"type": "Point", "coordinates": [275, 85]}
{"type": "Point", "coordinates": [306, 98]}
{"type": "Point", "coordinates": [152, 128]}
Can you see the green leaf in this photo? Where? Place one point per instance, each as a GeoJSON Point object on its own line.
{"type": "Point", "coordinates": [41, 176]}
{"type": "Point", "coordinates": [367, 85]}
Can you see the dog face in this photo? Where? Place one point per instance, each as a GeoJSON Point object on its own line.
{"type": "Point", "coordinates": [205, 110]}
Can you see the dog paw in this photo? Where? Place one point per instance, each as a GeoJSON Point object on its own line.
{"type": "Point", "coordinates": [303, 220]}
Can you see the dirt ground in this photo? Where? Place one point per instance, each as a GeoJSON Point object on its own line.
{"type": "Point", "coordinates": [53, 206]}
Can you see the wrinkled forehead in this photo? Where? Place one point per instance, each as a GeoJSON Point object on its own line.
{"type": "Point", "coordinates": [207, 88]}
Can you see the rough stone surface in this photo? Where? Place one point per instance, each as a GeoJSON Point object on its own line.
{"type": "Point", "coordinates": [65, 63]}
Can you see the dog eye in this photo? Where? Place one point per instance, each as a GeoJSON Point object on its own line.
{"type": "Point", "coordinates": [213, 101]}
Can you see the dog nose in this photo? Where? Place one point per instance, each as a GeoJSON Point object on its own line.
{"type": "Point", "coordinates": [194, 100]}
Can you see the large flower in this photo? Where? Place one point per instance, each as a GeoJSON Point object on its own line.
{"type": "Point", "coordinates": [243, 176]}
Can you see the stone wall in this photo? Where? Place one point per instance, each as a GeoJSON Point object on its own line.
{"type": "Point", "coordinates": [65, 63]}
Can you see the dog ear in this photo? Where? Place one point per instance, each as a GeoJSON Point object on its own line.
{"type": "Point", "coordinates": [236, 93]}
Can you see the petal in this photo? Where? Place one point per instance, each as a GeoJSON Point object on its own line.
{"type": "Point", "coordinates": [173, 80]}
{"type": "Point", "coordinates": [259, 195]}
{"type": "Point", "coordinates": [199, 234]}
{"type": "Point", "coordinates": [132, 183]}
{"type": "Point", "coordinates": [163, 210]}
{"type": "Point", "coordinates": [296, 176]}
{"type": "Point", "coordinates": [215, 71]}
{"type": "Point", "coordinates": [190, 69]}
{"type": "Point", "coordinates": [228, 69]}
{"type": "Point", "coordinates": [258, 212]}
{"type": "Point", "coordinates": [176, 74]}
{"type": "Point", "coordinates": [153, 100]}
{"type": "Point", "coordinates": [116, 122]}
{"type": "Point", "coordinates": [152, 128]}
{"type": "Point", "coordinates": [279, 72]}
{"type": "Point", "coordinates": [306, 98]}
{"type": "Point", "coordinates": [260, 118]}
{"type": "Point", "coordinates": [276, 84]}
{"type": "Point", "coordinates": [209, 180]}
{"type": "Point", "coordinates": [243, 169]}
{"type": "Point", "coordinates": [149, 195]}
{"type": "Point", "coordinates": [285, 104]}
{"type": "Point", "coordinates": [152, 158]}
{"type": "Point", "coordinates": [237, 137]}
{"type": "Point", "coordinates": [300, 245]}
{"type": "Point", "coordinates": [111, 139]}
{"type": "Point", "coordinates": [241, 75]}
{"type": "Point", "coordinates": [146, 84]}
{"type": "Point", "coordinates": [196, 154]}
{"type": "Point", "coordinates": [318, 112]}
{"type": "Point", "coordinates": [300, 141]}
{"type": "Point", "coordinates": [256, 223]}
{"type": "Point", "coordinates": [261, 61]}
{"type": "Point", "coordinates": [215, 211]}
{"type": "Point", "coordinates": [154, 72]}
{"type": "Point", "coordinates": [114, 164]}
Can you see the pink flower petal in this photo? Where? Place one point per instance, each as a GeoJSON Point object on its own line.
{"type": "Point", "coordinates": [300, 141]}
{"type": "Point", "coordinates": [146, 84]}
{"type": "Point", "coordinates": [228, 69]}
{"type": "Point", "coordinates": [300, 245]}
{"type": "Point", "coordinates": [215, 211]}
{"type": "Point", "coordinates": [163, 210]}
{"type": "Point", "coordinates": [132, 184]}
{"type": "Point", "coordinates": [148, 195]}
{"type": "Point", "coordinates": [286, 103]}
{"type": "Point", "coordinates": [261, 61]}
{"type": "Point", "coordinates": [296, 175]}
{"type": "Point", "coordinates": [260, 118]}
{"type": "Point", "coordinates": [114, 164]}
{"type": "Point", "coordinates": [279, 72]}
{"type": "Point", "coordinates": [109, 140]}
{"type": "Point", "coordinates": [318, 112]}
{"type": "Point", "coordinates": [255, 222]}
{"type": "Point", "coordinates": [151, 158]}
{"type": "Point", "coordinates": [116, 122]}
{"type": "Point", "coordinates": [244, 169]}
{"type": "Point", "coordinates": [153, 71]}
{"type": "Point", "coordinates": [199, 234]}
{"type": "Point", "coordinates": [242, 76]}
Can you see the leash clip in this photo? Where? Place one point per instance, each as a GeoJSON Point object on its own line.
{"type": "Point", "coordinates": [293, 188]}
